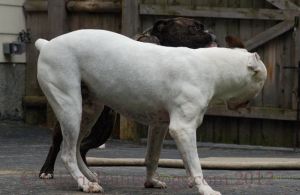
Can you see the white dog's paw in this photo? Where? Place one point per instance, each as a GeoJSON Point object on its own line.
{"type": "Point", "coordinates": [92, 187]}
{"type": "Point", "coordinates": [209, 192]}
{"type": "Point", "coordinates": [202, 186]}
{"type": "Point", "coordinates": [46, 176]}
{"type": "Point", "coordinates": [154, 183]}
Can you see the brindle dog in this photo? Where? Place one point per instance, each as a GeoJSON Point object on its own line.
{"type": "Point", "coordinates": [176, 32]}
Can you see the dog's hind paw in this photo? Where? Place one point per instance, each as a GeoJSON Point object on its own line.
{"type": "Point", "coordinates": [46, 176]}
{"type": "Point", "coordinates": [207, 190]}
{"type": "Point", "coordinates": [92, 187]}
{"type": "Point", "coordinates": [154, 183]}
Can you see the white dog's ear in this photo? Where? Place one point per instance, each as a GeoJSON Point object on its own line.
{"type": "Point", "coordinates": [253, 64]}
{"type": "Point", "coordinates": [256, 56]}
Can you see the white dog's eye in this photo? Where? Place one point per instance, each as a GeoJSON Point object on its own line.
{"type": "Point", "coordinates": [255, 69]}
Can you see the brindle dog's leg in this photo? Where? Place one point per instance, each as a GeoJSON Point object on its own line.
{"type": "Point", "coordinates": [46, 171]}
{"type": "Point", "coordinates": [90, 114]}
{"type": "Point", "coordinates": [156, 135]}
{"type": "Point", "coordinates": [100, 132]}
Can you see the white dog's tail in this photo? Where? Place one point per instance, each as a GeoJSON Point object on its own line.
{"type": "Point", "coordinates": [40, 43]}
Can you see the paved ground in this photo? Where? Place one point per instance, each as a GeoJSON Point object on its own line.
{"type": "Point", "coordinates": [23, 149]}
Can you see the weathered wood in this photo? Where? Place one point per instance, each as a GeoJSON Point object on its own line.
{"type": "Point", "coordinates": [231, 163]}
{"type": "Point", "coordinates": [283, 4]}
{"type": "Point", "coordinates": [205, 131]}
{"type": "Point", "coordinates": [296, 63]}
{"type": "Point", "coordinates": [130, 17]}
{"type": "Point", "coordinates": [35, 6]}
{"type": "Point", "coordinates": [107, 21]}
{"type": "Point", "coordinates": [255, 112]}
{"type": "Point", "coordinates": [221, 25]}
{"type": "Point", "coordinates": [94, 6]}
{"type": "Point", "coordinates": [34, 101]}
{"type": "Point", "coordinates": [269, 34]}
{"type": "Point", "coordinates": [38, 24]}
{"type": "Point", "coordinates": [218, 12]}
{"type": "Point", "coordinates": [128, 129]}
{"type": "Point", "coordinates": [57, 16]}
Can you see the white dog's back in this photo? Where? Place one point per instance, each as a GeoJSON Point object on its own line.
{"type": "Point", "coordinates": [147, 76]}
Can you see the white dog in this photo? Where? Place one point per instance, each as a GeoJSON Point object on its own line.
{"type": "Point", "coordinates": [166, 88]}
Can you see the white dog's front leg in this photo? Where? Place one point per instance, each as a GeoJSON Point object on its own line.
{"type": "Point", "coordinates": [156, 135]}
{"type": "Point", "coordinates": [184, 133]}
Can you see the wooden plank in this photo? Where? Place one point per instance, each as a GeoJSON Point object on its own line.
{"type": "Point", "coordinates": [283, 4]}
{"type": "Point", "coordinates": [244, 129]}
{"type": "Point", "coordinates": [148, 21]}
{"type": "Point", "coordinates": [221, 25]}
{"type": "Point", "coordinates": [35, 101]}
{"type": "Point", "coordinates": [255, 112]}
{"type": "Point", "coordinates": [35, 6]}
{"type": "Point", "coordinates": [37, 22]}
{"type": "Point", "coordinates": [128, 129]}
{"type": "Point", "coordinates": [271, 88]}
{"type": "Point", "coordinates": [130, 17]}
{"type": "Point", "coordinates": [57, 15]}
{"type": "Point", "coordinates": [255, 128]}
{"type": "Point", "coordinates": [205, 131]}
{"type": "Point", "coordinates": [269, 34]}
{"type": "Point", "coordinates": [277, 133]}
{"type": "Point", "coordinates": [245, 25]}
{"type": "Point", "coordinates": [256, 28]}
{"type": "Point", "coordinates": [270, 95]}
{"type": "Point", "coordinates": [233, 24]}
{"type": "Point", "coordinates": [228, 128]}
{"type": "Point", "coordinates": [218, 12]}
{"type": "Point", "coordinates": [94, 6]}
{"type": "Point", "coordinates": [296, 63]}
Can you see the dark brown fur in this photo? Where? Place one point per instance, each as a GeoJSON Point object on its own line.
{"type": "Point", "coordinates": [234, 42]}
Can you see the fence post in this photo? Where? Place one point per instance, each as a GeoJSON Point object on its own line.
{"type": "Point", "coordinates": [130, 27]}
{"type": "Point", "coordinates": [58, 25]}
{"type": "Point", "coordinates": [130, 17]}
{"type": "Point", "coordinates": [57, 16]}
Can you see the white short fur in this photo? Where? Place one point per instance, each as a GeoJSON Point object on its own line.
{"type": "Point", "coordinates": [164, 87]}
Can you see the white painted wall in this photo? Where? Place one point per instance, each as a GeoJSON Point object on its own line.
{"type": "Point", "coordinates": [12, 71]}
{"type": "Point", "coordinates": [12, 21]}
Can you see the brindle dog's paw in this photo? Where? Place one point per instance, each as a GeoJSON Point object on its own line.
{"type": "Point", "coordinates": [46, 176]}
{"type": "Point", "coordinates": [154, 183]}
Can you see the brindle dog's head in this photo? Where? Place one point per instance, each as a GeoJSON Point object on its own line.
{"type": "Point", "coordinates": [178, 32]}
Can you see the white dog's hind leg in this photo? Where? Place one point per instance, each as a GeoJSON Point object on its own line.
{"type": "Point", "coordinates": [156, 135]}
{"type": "Point", "coordinates": [183, 131]}
{"type": "Point", "coordinates": [91, 112]}
{"type": "Point", "coordinates": [65, 98]}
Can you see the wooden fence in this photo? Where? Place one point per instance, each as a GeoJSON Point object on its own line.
{"type": "Point", "coordinates": [269, 27]}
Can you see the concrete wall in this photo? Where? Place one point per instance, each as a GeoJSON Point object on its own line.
{"type": "Point", "coordinates": [12, 69]}
{"type": "Point", "coordinates": [12, 88]}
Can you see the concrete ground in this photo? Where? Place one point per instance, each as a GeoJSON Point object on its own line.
{"type": "Point", "coordinates": [23, 150]}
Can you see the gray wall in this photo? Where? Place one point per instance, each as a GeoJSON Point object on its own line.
{"type": "Point", "coordinates": [12, 89]}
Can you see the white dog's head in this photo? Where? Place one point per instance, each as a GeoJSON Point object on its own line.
{"type": "Point", "coordinates": [255, 78]}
